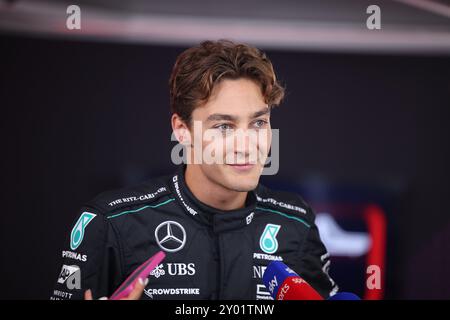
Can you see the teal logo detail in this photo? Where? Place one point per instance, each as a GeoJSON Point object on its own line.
{"type": "Point", "coordinates": [77, 234]}
{"type": "Point", "coordinates": [268, 241]}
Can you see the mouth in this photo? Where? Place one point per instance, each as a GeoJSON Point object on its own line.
{"type": "Point", "coordinates": [242, 167]}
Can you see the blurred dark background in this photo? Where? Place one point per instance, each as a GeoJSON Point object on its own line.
{"type": "Point", "coordinates": [84, 114]}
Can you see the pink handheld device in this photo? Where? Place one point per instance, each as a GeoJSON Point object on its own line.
{"type": "Point", "coordinates": [143, 271]}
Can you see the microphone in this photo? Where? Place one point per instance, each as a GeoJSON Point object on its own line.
{"type": "Point", "coordinates": [284, 284]}
{"type": "Point", "coordinates": [344, 296]}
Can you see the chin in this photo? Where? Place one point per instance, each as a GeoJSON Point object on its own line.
{"type": "Point", "coordinates": [243, 185]}
{"type": "Point", "coordinates": [232, 180]}
{"type": "Point", "coordinates": [242, 181]}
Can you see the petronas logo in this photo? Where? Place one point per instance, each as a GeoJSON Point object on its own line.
{"type": "Point", "coordinates": [77, 234]}
{"type": "Point", "coordinates": [268, 241]}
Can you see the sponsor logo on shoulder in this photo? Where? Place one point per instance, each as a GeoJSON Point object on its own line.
{"type": "Point", "coordinates": [258, 271]}
{"type": "Point", "coordinates": [249, 218]}
{"type": "Point", "coordinates": [281, 204]}
{"type": "Point", "coordinates": [170, 236]}
{"type": "Point", "coordinates": [174, 269]}
{"type": "Point", "coordinates": [59, 295]}
{"type": "Point", "coordinates": [74, 256]}
{"type": "Point", "coordinates": [70, 276]}
{"type": "Point", "coordinates": [261, 291]}
{"type": "Point", "coordinates": [77, 234]}
{"type": "Point", "coordinates": [171, 292]}
{"type": "Point", "coordinates": [177, 190]}
{"type": "Point", "coordinates": [268, 241]}
{"type": "Point", "coordinates": [268, 257]}
{"type": "Point", "coordinates": [143, 197]}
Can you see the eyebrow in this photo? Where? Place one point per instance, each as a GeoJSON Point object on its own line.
{"type": "Point", "coordinates": [227, 117]}
{"type": "Point", "coordinates": [220, 116]}
{"type": "Point", "coordinates": [262, 112]}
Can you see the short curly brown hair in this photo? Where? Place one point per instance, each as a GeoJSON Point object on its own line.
{"type": "Point", "coordinates": [198, 69]}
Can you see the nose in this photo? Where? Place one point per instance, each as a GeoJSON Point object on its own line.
{"type": "Point", "coordinates": [245, 145]}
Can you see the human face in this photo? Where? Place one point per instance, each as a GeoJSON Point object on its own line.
{"type": "Point", "coordinates": [238, 116]}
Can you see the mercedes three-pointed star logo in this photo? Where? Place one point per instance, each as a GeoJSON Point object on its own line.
{"type": "Point", "coordinates": [172, 238]}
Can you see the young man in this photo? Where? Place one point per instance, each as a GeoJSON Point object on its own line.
{"type": "Point", "coordinates": [218, 226]}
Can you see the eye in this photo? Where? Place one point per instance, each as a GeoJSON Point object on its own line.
{"type": "Point", "coordinates": [224, 127]}
{"type": "Point", "coordinates": [260, 123]}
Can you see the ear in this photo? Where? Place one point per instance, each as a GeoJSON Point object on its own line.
{"type": "Point", "coordinates": [180, 130]}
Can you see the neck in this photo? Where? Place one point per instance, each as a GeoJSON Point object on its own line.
{"type": "Point", "coordinates": [210, 193]}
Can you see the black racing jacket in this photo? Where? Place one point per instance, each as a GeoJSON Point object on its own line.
{"type": "Point", "coordinates": [210, 254]}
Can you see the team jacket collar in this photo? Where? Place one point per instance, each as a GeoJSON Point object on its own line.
{"type": "Point", "coordinates": [219, 220]}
